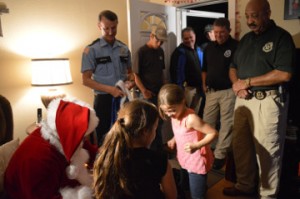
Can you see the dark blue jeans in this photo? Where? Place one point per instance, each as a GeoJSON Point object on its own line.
{"type": "Point", "coordinates": [198, 185]}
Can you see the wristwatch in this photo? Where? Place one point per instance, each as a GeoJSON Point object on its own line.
{"type": "Point", "coordinates": [248, 82]}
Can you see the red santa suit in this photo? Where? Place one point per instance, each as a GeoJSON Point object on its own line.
{"type": "Point", "coordinates": [37, 170]}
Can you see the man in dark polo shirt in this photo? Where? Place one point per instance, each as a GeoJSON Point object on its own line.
{"type": "Point", "coordinates": [261, 68]}
{"type": "Point", "coordinates": [220, 98]}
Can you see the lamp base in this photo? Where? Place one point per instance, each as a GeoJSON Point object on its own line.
{"type": "Point", "coordinates": [50, 95]}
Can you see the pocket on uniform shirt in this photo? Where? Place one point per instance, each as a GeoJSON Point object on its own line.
{"type": "Point", "coordinates": [124, 59]}
{"type": "Point", "coordinates": [103, 65]}
{"type": "Point", "coordinates": [103, 60]}
{"type": "Point", "coordinates": [124, 64]}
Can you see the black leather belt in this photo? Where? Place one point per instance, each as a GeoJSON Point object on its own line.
{"type": "Point", "coordinates": [262, 94]}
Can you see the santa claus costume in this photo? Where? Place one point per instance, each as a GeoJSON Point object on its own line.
{"type": "Point", "coordinates": [40, 167]}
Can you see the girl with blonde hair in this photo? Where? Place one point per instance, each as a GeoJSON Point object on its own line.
{"type": "Point", "coordinates": [192, 137]}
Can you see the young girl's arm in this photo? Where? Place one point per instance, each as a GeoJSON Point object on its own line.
{"type": "Point", "coordinates": [172, 143]}
{"type": "Point", "coordinates": [195, 122]}
{"type": "Point", "coordinates": [168, 184]}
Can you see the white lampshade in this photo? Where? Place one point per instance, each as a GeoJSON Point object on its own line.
{"type": "Point", "coordinates": [50, 72]}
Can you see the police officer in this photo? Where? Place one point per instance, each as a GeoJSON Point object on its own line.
{"type": "Point", "coordinates": [262, 63]}
{"type": "Point", "coordinates": [105, 62]}
{"type": "Point", "coordinates": [220, 98]}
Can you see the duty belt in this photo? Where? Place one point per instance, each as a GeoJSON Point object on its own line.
{"type": "Point", "coordinates": [262, 94]}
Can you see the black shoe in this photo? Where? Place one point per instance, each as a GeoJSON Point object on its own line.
{"type": "Point", "coordinates": [232, 191]}
{"type": "Point", "coordinates": [218, 164]}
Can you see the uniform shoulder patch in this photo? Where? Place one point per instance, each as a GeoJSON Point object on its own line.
{"type": "Point", "coordinates": [86, 50]}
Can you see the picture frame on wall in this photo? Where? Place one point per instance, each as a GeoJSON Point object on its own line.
{"type": "Point", "coordinates": [291, 9]}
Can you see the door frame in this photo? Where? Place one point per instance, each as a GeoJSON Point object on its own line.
{"type": "Point", "coordinates": [182, 15]}
{"type": "Point", "coordinates": [232, 4]}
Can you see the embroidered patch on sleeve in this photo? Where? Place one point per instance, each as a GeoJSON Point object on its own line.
{"type": "Point", "coordinates": [86, 50]}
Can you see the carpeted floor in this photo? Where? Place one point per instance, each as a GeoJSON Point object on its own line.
{"type": "Point", "coordinates": [214, 177]}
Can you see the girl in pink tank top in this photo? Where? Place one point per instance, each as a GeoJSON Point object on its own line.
{"type": "Point", "coordinates": [192, 137]}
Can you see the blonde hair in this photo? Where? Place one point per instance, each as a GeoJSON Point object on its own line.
{"type": "Point", "coordinates": [110, 177]}
{"type": "Point", "coordinates": [170, 94]}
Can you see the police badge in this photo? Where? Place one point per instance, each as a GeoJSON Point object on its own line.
{"type": "Point", "coordinates": [268, 47]}
{"type": "Point", "coordinates": [260, 95]}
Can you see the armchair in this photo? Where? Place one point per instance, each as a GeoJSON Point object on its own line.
{"type": "Point", "coordinates": [7, 145]}
{"type": "Point", "coordinates": [6, 121]}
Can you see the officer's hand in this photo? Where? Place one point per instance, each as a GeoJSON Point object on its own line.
{"type": "Point", "coordinates": [116, 92]}
{"type": "Point", "coordinates": [243, 94]}
{"type": "Point", "coordinates": [147, 94]}
{"type": "Point", "coordinates": [239, 85]}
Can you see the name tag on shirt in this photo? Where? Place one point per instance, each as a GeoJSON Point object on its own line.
{"type": "Point", "coordinates": [103, 60]}
{"type": "Point", "coordinates": [124, 59]}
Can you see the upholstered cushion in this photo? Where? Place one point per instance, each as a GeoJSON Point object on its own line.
{"type": "Point", "coordinates": [6, 152]}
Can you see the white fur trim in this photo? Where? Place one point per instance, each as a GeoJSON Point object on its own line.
{"type": "Point", "coordinates": [51, 135]}
{"type": "Point", "coordinates": [85, 193]}
{"type": "Point", "coordinates": [51, 114]}
{"type": "Point", "coordinates": [80, 192]}
{"type": "Point", "coordinates": [52, 108]}
{"type": "Point", "coordinates": [93, 122]}
{"type": "Point", "coordinates": [48, 129]}
{"type": "Point", "coordinates": [72, 171]}
{"type": "Point", "coordinates": [77, 168]}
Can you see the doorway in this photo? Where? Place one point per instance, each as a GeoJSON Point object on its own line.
{"type": "Point", "coordinates": [198, 23]}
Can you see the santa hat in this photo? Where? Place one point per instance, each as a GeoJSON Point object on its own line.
{"type": "Point", "coordinates": [68, 121]}
{"type": "Point", "coordinates": [72, 122]}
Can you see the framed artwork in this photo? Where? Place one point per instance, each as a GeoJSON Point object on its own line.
{"type": "Point", "coordinates": [291, 9]}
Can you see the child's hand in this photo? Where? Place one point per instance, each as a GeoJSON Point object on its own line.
{"type": "Point", "coordinates": [171, 144]}
{"type": "Point", "coordinates": [190, 147]}
{"type": "Point", "coordinates": [147, 94]}
{"type": "Point", "coordinates": [129, 84]}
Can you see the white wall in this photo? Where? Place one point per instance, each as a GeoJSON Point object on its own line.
{"type": "Point", "coordinates": [47, 29]}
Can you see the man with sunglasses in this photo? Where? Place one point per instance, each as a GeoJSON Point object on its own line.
{"type": "Point", "coordinates": [148, 66]}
